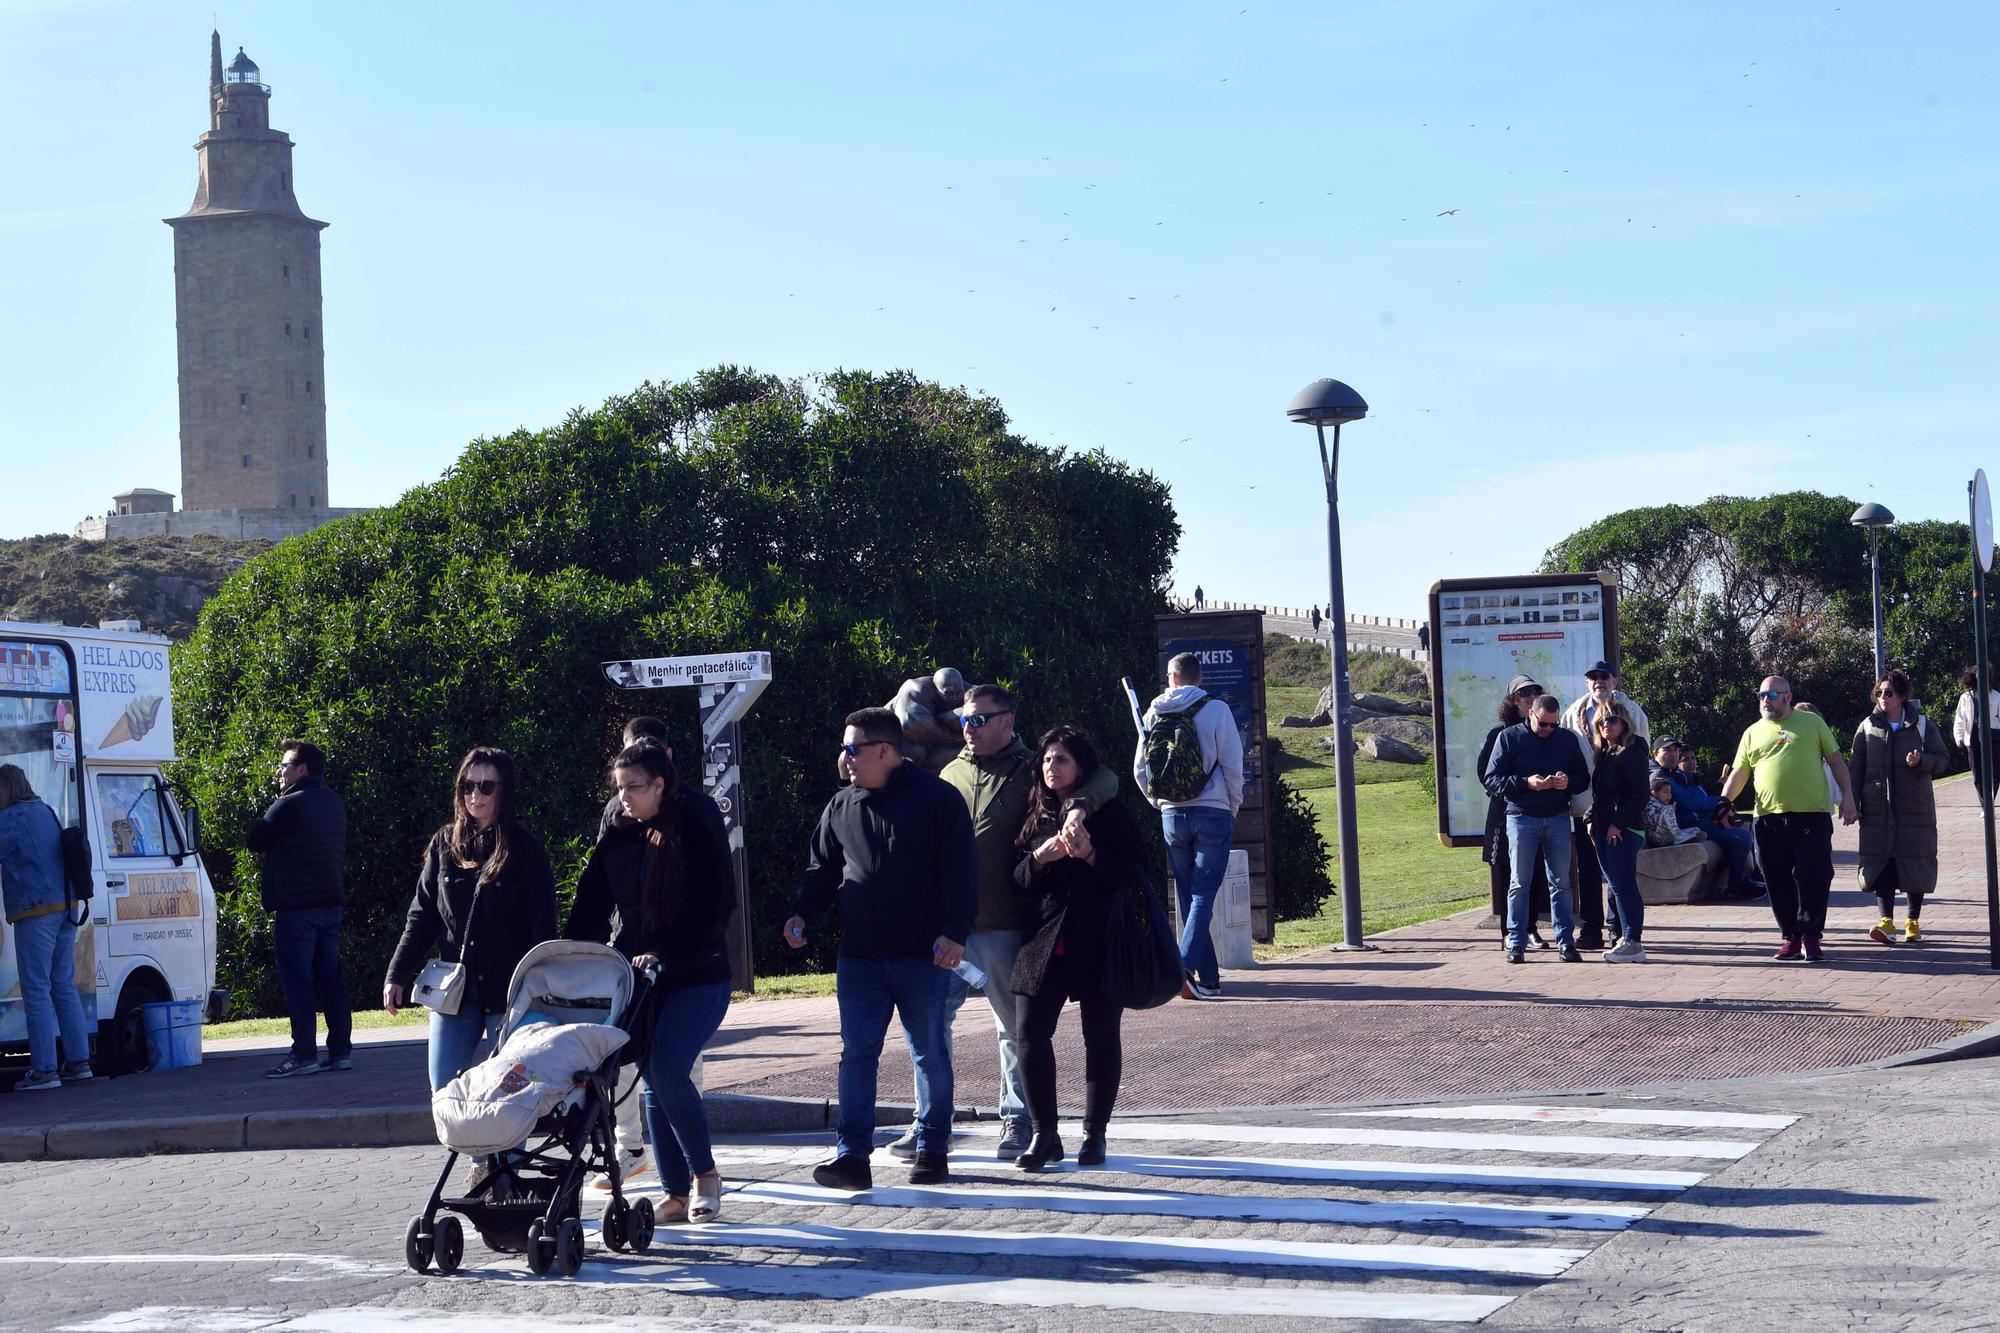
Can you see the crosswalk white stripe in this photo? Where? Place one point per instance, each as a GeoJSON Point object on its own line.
{"type": "Point", "coordinates": [1603, 1115]}
{"type": "Point", "coordinates": [851, 1284]}
{"type": "Point", "coordinates": [1176, 1132]}
{"type": "Point", "coordinates": [1355, 1170]}
{"type": "Point", "coordinates": [1236, 1207]}
{"type": "Point", "coordinates": [1532, 1261]}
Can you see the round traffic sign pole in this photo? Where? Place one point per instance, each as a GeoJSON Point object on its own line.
{"type": "Point", "coordinates": [1981, 503]}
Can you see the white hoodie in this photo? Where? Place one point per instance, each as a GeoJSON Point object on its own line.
{"type": "Point", "coordinates": [1221, 749]}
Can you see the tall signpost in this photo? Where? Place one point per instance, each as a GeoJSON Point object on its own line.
{"type": "Point", "coordinates": [1982, 565]}
{"type": "Point", "coordinates": [726, 685]}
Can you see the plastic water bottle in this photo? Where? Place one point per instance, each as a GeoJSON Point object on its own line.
{"type": "Point", "coordinates": [972, 976]}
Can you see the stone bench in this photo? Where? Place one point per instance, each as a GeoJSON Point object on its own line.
{"type": "Point", "coordinates": [1688, 872]}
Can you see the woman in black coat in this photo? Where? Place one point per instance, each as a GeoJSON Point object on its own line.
{"type": "Point", "coordinates": [485, 897]}
{"type": "Point", "coordinates": [1619, 789]}
{"type": "Point", "coordinates": [661, 890]}
{"type": "Point", "coordinates": [1077, 881]}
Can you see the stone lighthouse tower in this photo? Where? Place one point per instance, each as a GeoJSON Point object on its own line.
{"type": "Point", "coordinates": [247, 306]}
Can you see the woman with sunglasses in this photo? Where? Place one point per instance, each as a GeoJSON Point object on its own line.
{"type": "Point", "coordinates": [671, 885]}
{"type": "Point", "coordinates": [486, 896]}
{"type": "Point", "coordinates": [1898, 753]}
{"type": "Point", "coordinates": [1077, 877]}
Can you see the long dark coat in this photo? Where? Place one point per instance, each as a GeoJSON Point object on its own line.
{"type": "Point", "coordinates": [1898, 807]}
{"type": "Point", "coordinates": [1075, 900]}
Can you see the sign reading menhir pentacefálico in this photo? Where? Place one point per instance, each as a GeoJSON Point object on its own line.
{"type": "Point", "coordinates": [658, 673]}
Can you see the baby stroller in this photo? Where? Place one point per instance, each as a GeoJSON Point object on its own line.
{"type": "Point", "coordinates": [562, 1116]}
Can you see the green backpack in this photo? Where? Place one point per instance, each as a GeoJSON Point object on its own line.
{"type": "Point", "coordinates": [1173, 765]}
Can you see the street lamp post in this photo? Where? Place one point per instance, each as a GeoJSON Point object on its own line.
{"type": "Point", "coordinates": [1321, 404]}
{"type": "Point", "coordinates": [1875, 517]}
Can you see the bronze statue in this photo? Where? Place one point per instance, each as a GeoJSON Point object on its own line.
{"type": "Point", "coordinates": [927, 706]}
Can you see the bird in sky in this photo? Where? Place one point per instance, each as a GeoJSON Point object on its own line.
{"type": "Point", "coordinates": [1449, 213]}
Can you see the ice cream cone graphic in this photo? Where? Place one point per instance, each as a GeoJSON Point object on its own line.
{"type": "Point", "coordinates": [135, 722]}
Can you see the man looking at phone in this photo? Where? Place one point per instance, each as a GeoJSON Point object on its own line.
{"type": "Point", "coordinates": [895, 847]}
{"type": "Point", "coordinates": [1535, 766]}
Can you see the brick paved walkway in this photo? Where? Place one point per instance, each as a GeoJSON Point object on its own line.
{"type": "Point", "coordinates": [1431, 1012]}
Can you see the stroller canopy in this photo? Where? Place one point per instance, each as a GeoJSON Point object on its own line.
{"type": "Point", "coordinates": [570, 981]}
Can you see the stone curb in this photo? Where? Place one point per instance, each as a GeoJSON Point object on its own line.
{"type": "Point", "coordinates": [356, 1127]}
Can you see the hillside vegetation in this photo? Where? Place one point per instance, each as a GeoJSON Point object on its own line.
{"type": "Point", "coordinates": [162, 582]}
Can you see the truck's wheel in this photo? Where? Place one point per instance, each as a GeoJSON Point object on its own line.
{"type": "Point", "coordinates": [121, 1043]}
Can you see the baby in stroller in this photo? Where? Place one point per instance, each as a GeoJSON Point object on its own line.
{"type": "Point", "coordinates": [542, 1107]}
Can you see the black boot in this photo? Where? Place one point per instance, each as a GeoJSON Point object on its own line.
{"type": "Point", "coordinates": [1043, 1150]}
{"type": "Point", "coordinates": [1092, 1151]}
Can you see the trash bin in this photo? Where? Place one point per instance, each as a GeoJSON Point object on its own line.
{"type": "Point", "coordinates": [1230, 926]}
{"type": "Point", "coordinates": [173, 1034]}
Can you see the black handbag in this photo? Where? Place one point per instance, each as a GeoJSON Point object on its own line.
{"type": "Point", "coordinates": [1142, 959]}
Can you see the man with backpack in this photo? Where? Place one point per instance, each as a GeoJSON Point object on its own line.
{"type": "Point", "coordinates": [302, 838]}
{"type": "Point", "coordinates": [1190, 766]}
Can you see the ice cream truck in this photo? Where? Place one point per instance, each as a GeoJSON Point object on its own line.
{"type": "Point", "coordinates": [89, 715]}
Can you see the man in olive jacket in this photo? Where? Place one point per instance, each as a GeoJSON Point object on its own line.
{"type": "Point", "coordinates": [302, 838]}
{"type": "Point", "coordinates": [995, 772]}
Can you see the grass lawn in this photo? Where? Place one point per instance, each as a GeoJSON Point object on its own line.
{"type": "Point", "coordinates": [1406, 875]}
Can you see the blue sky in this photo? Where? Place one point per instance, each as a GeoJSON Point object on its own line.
{"type": "Point", "coordinates": [1699, 248]}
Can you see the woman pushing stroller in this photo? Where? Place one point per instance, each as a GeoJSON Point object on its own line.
{"type": "Point", "coordinates": [661, 892]}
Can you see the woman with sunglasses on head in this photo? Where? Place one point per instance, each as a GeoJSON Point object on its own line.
{"type": "Point", "coordinates": [1078, 877]}
{"type": "Point", "coordinates": [486, 896]}
{"type": "Point", "coordinates": [660, 889]}
{"type": "Point", "coordinates": [1898, 753]}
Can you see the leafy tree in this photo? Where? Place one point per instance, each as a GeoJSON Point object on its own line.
{"type": "Point", "coordinates": [1712, 597]}
{"type": "Point", "coordinates": [860, 527]}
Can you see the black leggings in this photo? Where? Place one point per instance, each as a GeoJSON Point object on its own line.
{"type": "Point", "coordinates": [1103, 1055]}
{"type": "Point", "coordinates": [1885, 894]}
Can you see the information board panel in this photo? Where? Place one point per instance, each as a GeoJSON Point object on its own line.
{"type": "Point", "coordinates": [1484, 632]}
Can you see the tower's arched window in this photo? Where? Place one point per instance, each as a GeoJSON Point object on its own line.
{"type": "Point", "coordinates": [243, 399]}
{"type": "Point", "coordinates": [309, 388]}
{"type": "Point", "coordinates": [312, 502]}
{"type": "Point", "coordinates": [288, 328]}
{"type": "Point", "coordinates": [295, 500]}
{"type": "Point", "coordinates": [246, 460]}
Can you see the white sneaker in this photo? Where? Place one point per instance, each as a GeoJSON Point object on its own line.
{"type": "Point", "coordinates": [1625, 951]}
{"type": "Point", "coordinates": [631, 1167]}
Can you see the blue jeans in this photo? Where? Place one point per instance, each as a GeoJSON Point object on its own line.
{"type": "Point", "coordinates": [992, 952]}
{"type": "Point", "coordinates": [867, 990]}
{"type": "Point", "coordinates": [307, 942]}
{"type": "Point", "coordinates": [1620, 861]}
{"type": "Point", "coordinates": [676, 1119]}
{"type": "Point", "coordinates": [45, 949]}
{"type": "Point", "coordinates": [1736, 842]}
{"type": "Point", "coordinates": [1530, 838]}
{"type": "Point", "coordinates": [455, 1037]}
{"type": "Point", "coordinates": [1198, 850]}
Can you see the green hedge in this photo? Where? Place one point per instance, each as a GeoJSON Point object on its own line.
{"type": "Point", "coordinates": [860, 527]}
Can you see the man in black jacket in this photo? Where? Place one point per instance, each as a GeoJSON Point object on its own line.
{"type": "Point", "coordinates": [301, 838]}
{"type": "Point", "coordinates": [895, 846]}
{"type": "Point", "coordinates": [1535, 766]}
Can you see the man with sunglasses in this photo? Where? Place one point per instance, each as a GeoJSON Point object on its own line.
{"type": "Point", "coordinates": [895, 848]}
{"type": "Point", "coordinates": [1783, 751]}
{"type": "Point", "coordinates": [302, 838]}
{"type": "Point", "coordinates": [994, 774]}
{"type": "Point", "coordinates": [1535, 766]}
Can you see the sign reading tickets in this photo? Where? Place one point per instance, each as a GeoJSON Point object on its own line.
{"type": "Point", "coordinates": [1484, 632]}
{"type": "Point", "coordinates": [156, 895]}
{"type": "Point", "coordinates": [126, 707]}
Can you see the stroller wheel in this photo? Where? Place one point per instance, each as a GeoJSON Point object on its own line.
{"type": "Point", "coordinates": [569, 1247]}
{"type": "Point", "coordinates": [541, 1249]}
{"type": "Point", "coordinates": [448, 1244]}
{"type": "Point", "coordinates": [617, 1224]}
{"type": "Point", "coordinates": [639, 1229]}
{"type": "Point", "coordinates": [417, 1245]}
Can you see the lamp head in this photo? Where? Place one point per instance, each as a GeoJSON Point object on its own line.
{"type": "Point", "coordinates": [1326, 403]}
{"type": "Point", "coordinates": [1872, 515]}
